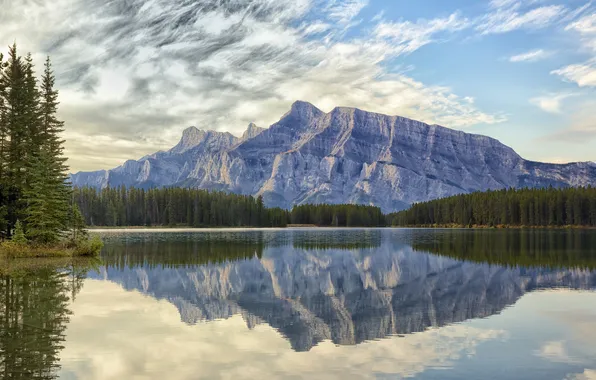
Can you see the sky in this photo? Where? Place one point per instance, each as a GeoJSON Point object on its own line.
{"type": "Point", "coordinates": [133, 74]}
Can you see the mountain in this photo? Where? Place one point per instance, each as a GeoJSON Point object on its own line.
{"type": "Point", "coordinates": [344, 156]}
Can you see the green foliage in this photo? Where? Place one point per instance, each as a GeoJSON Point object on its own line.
{"type": "Point", "coordinates": [120, 207]}
{"type": "Point", "coordinates": [565, 248]}
{"type": "Point", "coordinates": [34, 316]}
{"type": "Point", "coordinates": [33, 186]}
{"type": "Point", "coordinates": [89, 247]}
{"type": "Point", "coordinates": [18, 236]}
{"type": "Point", "coordinates": [77, 223]}
{"type": "Point", "coordinates": [338, 215]}
{"type": "Point", "coordinates": [549, 207]}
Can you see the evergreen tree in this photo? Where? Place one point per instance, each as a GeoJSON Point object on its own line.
{"type": "Point", "coordinates": [520, 207]}
{"type": "Point", "coordinates": [53, 144]}
{"type": "Point", "coordinates": [19, 235]}
{"type": "Point", "coordinates": [33, 171]}
{"type": "Point", "coordinates": [77, 223]}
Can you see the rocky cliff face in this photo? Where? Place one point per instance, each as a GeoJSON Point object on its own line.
{"type": "Point", "coordinates": [346, 296]}
{"type": "Point", "coordinates": [344, 156]}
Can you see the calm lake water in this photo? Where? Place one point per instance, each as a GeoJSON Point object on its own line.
{"type": "Point", "coordinates": [315, 304]}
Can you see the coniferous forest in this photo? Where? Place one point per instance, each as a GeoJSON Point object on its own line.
{"type": "Point", "coordinates": [35, 196]}
{"type": "Point", "coordinates": [550, 207]}
{"type": "Point", "coordinates": [338, 215]}
{"type": "Point", "coordinates": [121, 207]}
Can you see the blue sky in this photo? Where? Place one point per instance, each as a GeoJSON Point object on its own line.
{"type": "Point", "coordinates": [134, 74]}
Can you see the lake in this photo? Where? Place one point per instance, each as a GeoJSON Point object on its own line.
{"type": "Point", "coordinates": [307, 303]}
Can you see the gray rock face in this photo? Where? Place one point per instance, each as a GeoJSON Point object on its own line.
{"type": "Point", "coordinates": [344, 156]}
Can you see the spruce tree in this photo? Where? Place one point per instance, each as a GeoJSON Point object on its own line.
{"type": "Point", "coordinates": [19, 234]}
{"type": "Point", "coordinates": [33, 171]}
{"type": "Point", "coordinates": [3, 156]}
{"type": "Point", "coordinates": [53, 144]}
{"type": "Point", "coordinates": [15, 128]}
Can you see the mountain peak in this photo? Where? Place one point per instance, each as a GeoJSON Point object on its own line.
{"type": "Point", "coordinates": [252, 131]}
{"type": "Point", "coordinates": [303, 112]}
{"type": "Point", "coordinates": [191, 137]}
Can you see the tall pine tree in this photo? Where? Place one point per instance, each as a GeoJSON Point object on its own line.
{"type": "Point", "coordinates": [33, 171]}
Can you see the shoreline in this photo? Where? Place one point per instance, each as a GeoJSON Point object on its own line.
{"type": "Point", "coordinates": [90, 247]}
{"type": "Point", "coordinates": [312, 226]}
{"type": "Point", "coordinates": [498, 227]}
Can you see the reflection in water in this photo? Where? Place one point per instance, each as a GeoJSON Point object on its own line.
{"type": "Point", "coordinates": [34, 314]}
{"type": "Point", "coordinates": [329, 287]}
{"type": "Point", "coordinates": [311, 286]}
{"type": "Point", "coordinates": [570, 248]}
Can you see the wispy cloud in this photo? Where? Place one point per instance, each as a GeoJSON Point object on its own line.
{"type": "Point", "coordinates": [551, 103]}
{"type": "Point", "coordinates": [531, 56]}
{"type": "Point", "coordinates": [584, 74]}
{"type": "Point", "coordinates": [411, 36]}
{"type": "Point", "coordinates": [344, 11]}
{"type": "Point", "coordinates": [585, 27]}
{"type": "Point", "coordinates": [142, 70]}
{"type": "Point", "coordinates": [508, 16]}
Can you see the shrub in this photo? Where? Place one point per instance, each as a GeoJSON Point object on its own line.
{"type": "Point", "coordinates": [89, 247]}
{"type": "Point", "coordinates": [18, 236]}
{"type": "Point", "coordinates": [12, 249]}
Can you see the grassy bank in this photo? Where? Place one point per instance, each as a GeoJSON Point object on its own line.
{"type": "Point", "coordinates": [89, 247]}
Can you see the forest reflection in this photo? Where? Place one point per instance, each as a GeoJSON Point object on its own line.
{"type": "Point", "coordinates": [572, 248]}
{"type": "Point", "coordinates": [152, 250]}
{"type": "Point", "coordinates": [34, 313]}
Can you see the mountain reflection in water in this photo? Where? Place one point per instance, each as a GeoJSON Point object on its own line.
{"type": "Point", "coordinates": [344, 286]}
{"type": "Point", "coordinates": [347, 286]}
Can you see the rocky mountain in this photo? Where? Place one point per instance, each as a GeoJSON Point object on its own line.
{"type": "Point", "coordinates": [344, 156]}
{"type": "Point", "coordinates": [344, 295]}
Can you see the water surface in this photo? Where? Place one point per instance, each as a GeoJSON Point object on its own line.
{"type": "Point", "coordinates": [300, 303]}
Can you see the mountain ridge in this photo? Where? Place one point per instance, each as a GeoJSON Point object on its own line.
{"type": "Point", "coordinates": [344, 156]}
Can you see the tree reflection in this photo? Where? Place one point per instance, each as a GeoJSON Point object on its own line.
{"type": "Point", "coordinates": [571, 248]}
{"type": "Point", "coordinates": [34, 312]}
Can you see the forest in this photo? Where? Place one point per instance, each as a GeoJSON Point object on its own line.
{"type": "Point", "coordinates": [547, 207]}
{"type": "Point", "coordinates": [346, 215]}
{"type": "Point", "coordinates": [35, 196]}
{"type": "Point", "coordinates": [122, 207]}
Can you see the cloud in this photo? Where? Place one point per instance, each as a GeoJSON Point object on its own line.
{"type": "Point", "coordinates": [530, 56]}
{"type": "Point", "coordinates": [555, 351]}
{"type": "Point", "coordinates": [580, 124]}
{"type": "Point", "coordinates": [509, 16]}
{"type": "Point", "coordinates": [137, 73]}
{"type": "Point", "coordinates": [345, 11]}
{"type": "Point", "coordinates": [118, 334]}
{"type": "Point", "coordinates": [551, 103]}
{"type": "Point", "coordinates": [588, 374]}
{"type": "Point", "coordinates": [412, 36]}
{"type": "Point", "coordinates": [583, 74]}
{"type": "Point", "coordinates": [585, 25]}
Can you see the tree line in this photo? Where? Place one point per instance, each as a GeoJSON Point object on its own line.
{"type": "Point", "coordinates": [122, 206]}
{"type": "Point", "coordinates": [509, 207]}
{"type": "Point", "coordinates": [129, 206]}
{"type": "Point", "coordinates": [34, 193]}
{"type": "Point", "coordinates": [344, 215]}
